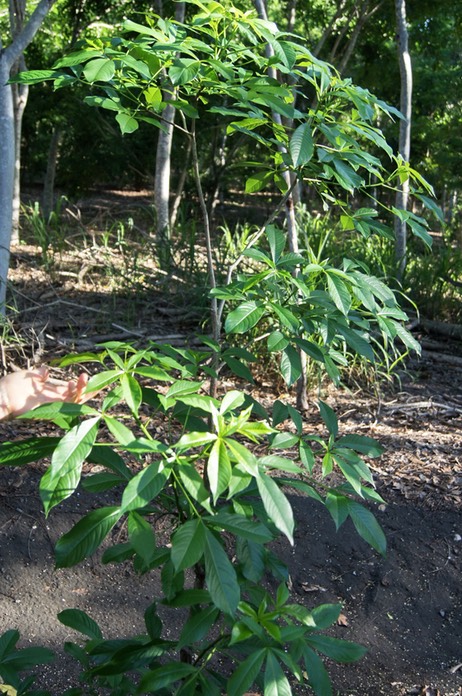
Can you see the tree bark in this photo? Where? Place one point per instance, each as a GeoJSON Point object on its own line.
{"type": "Point", "coordinates": [49, 180]}
{"type": "Point", "coordinates": [163, 166]}
{"type": "Point", "coordinates": [405, 69]}
{"type": "Point", "coordinates": [291, 221]}
{"type": "Point", "coordinates": [8, 57]}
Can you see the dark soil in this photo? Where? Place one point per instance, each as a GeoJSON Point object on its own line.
{"type": "Point", "coordinates": [405, 608]}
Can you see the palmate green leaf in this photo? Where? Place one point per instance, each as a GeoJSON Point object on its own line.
{"type": "Point", "coordinates": [62, 477]}
{"type": "Point", "coordinates": [291, 366]}
{"type": "Point", "coordinates": [131, 391]}
{"type": "Point", "coordinates": [346, 175]}
{"type": "Point", "coordinates": [337, 506]}
{"type": "Point", "coordinates": [121, 433]}
{"type": "Point", "coordinates": [77, 57]}
{"type": "Point", "coordinates": [275, 682]}
{"type": "Point", "coordinates": [141, 535]}
{"type": "Point", "coordinates": [407, 338]}
{"type": "Point", "coordinates": [188, 544]}
{"type": "Point", "coordinates": [103, 379]}
{"type": "Point", "coordinates": [194, 484]}
{"type": "Point", "coordinates": [198, 626]}
{"type": "Point", "coordinates": [242, 455]}
{"type": "Point", "coordinates": [357, 343]}
{"type": "Point", "coordinates": [244, 317]}
{"type": "Point", "coordinates": [310, 348]}
{"type": "Point", "coordinates": [318, 677]}
{"type": "Point", "coordinates": [99, 70]}
{"type": "Point", "coordinates": [339, 293]}
{"type": "Point", "coordinates": [181, 387]}
{"type": "Point", "coordinates": [220, 576]}
{"type": "Point", "coordinates": [245, 675]}
{"type": "Point", "coordinates": [276, 505]}
{"type": "Point", "coordinates": [367, 526]}
{"type": "Point", "coordinates": [27, 658]}
{"type": "Point", "coordinates": [104, 454]}
{"type": "Point", "coordinates": [276, 342]}
{"type": "Point", "coordinates": [285, 316]}
{"type": "Point", "coordinates": [231, 400]}
{"type": "Point", "coordinates": [8, 641]}
{"type": "Point", "coordinates": [126, 122]}
{"type": "Point", "coordinates": [162, 677]}
{"type": "Point", "coordinates": [240, 526]}
{"type": "Point", "coordinates": [145, 486]}
{"type": "Point", "coordinates": [218, 468]}
{"type": "Point", "coordinates": [258, 180]}
{"type": "Point", "coordinates": [80, 621]}
{"type": "Point", "coordinates": [361, 443]}
{"type": "Point", "coordinates": [103, 103]}
{"type": "Point", "coordinates": [284, 440]}
{"type": "Point", "coordinates": [338, 650]}
{"type": "Point", "coordinates": [85, 537]}
{"type": "Point", "coordinates": [32, 77]}
{"type": "Point", "coordinates": [153, 372]}
{"type": "Point", "coordinates": [183, 70]}
{"type": "Point", "coordinates": [329, 418]}
{"type": "Point", "coordinates": [273, 461]}
{"type": "Point", "coordinates": [195, 439]}
{"type": "Point", "coordinates": [25, 451]}
{"type": "Point", "coordinates": [102, 481]}
{"type": "Point", "coordinates": [325, 615]}
{"type": "Point", "coordinates": [301, 146]}
{"type": "Point", "coordinates": [238, 368]}
{"type": "Point", "coordinates": [276, 240]}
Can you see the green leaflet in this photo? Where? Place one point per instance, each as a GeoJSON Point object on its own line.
{"type": "Point", "coordinates": [188, 544]}
{"type": "Point", "coordinates": [244, 317]}
{"type": "Point", "coordinates": [62, 477]}
{"type": "Point", "coordinates": [80, 621]}
{"type": "Point", "coordinates": [220, 576]}
{"type": "Point", "coordinates": [301, 146]}
{"type": "Point", "coordinates": [276, 505]}
{"type": "Point", "coordinates": [85, 537]}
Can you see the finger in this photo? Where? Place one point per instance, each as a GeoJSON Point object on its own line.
{"type": "Point", "coordinates": [42, 373]}
{"type": "Point", "coordinates": [81, 385]}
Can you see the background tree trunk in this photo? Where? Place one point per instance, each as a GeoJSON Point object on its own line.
{"type": "Point", "coordinates": [10, 56]}
{"type": "Point", "coordinates": [20, 93]}
{"type": "Point", "coordinates": [405, 69]}
{"type": "Point", "coordinates": [48, 193]}
{"type": "Point", "coordinates": [163, 167]}
{"type": "Point", "coordinates": [291, 221]}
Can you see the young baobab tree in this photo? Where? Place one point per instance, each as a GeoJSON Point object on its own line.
{"type": "Point", "coordinates": [405, 68]}
{"type": "Point", "coordinates": [22, 33]}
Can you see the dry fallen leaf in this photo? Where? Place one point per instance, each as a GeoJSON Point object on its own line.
{"type": "Point", "coordinates": [312, 588]}
{"type": "Point", "coordinates": [342, 620]}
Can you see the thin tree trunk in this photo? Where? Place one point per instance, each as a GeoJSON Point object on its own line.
{"type": "Point", "coordinates": [329, 29]}
{"type": "Point", "coordinates": [162, 180]}
{"type": "Point", "coordinates": [49, 180]}
{"type": "Point", "coordinates": [180, 186]}
{"type": "Point", "coordinates": [363, 18]}
{"type": "Point", "coordinates": [7, 158]}
{"type": "Point", "coordinates": [20, 95]}
{"type": "Point", "coordinates": [402, 194]}
{"type": "Point", "coordinates": [8, 57]}
{"type": "Point", "coordinates": [163, 167]}
{"type": "Point", "coordinates": [291, 221]}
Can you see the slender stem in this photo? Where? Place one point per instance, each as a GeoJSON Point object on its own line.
{"type": "Point", "coordinates": [253, 240]}
{"type": "Point", "coordinates": [214, 315]}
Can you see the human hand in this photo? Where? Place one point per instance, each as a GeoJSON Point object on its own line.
{"type": "Point", "coordinates": [24, 390]}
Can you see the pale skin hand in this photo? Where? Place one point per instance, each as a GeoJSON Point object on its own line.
{"type": "Point", "coordinates": [24, 390]}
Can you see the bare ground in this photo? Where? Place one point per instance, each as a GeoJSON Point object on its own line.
{"type": "Point", "coordinates": [406, 608]}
